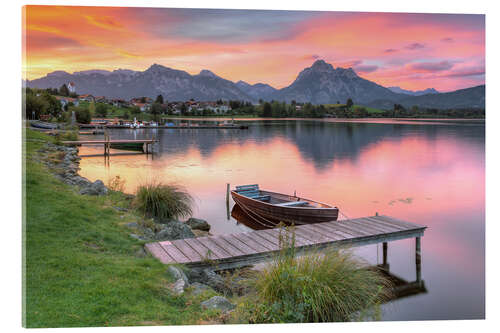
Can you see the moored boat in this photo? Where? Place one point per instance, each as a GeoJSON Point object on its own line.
{"type": "Point", "coordinates": [289, 209]}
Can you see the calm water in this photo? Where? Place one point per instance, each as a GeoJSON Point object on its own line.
{"type": "Point", "coordinates": [427, 173]}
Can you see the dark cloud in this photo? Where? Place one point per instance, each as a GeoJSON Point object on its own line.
{"type": "Point", "coordinates": [447, 40]}
{"type": "Point", "coordinates": [466, 72]}
{"type": "Point", "coordinates": [432, 66]}
{"type": "Point", "coordinates": [233, 26]}
{"type": "Point", "coordinates": [414, 46]}
{"type": "Point", "coordinates": [36, 40]}
{"type": "Point", "coordinates": [366, 68]}
{"type": "Point", "coordinates": [390, 50]}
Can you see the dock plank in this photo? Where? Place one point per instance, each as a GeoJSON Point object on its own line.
{"type": "Point", "coordinates": [235, 242]}
{"type": "Point", "coordinates": [187, 250]}
{"type": "Point", "coordinates": [174, 252]}
{"type": "Point", "coordinates": [201, 249]}
{"type": "Point", "coordinates": [237, 250]}
{"type": "Point", "coordinates": [258, 246]}
{"type": "Point", "coordinates": [234, 251]}
{"type": "Point", "coordinates": [221, 253]}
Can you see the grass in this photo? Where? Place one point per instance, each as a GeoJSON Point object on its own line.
{"type": "Point", "coordinates": [326, 286]}
{"type": "Point", "coordinates": [163, 201]}
{"type": "Point", "coordinates": [80, 266]}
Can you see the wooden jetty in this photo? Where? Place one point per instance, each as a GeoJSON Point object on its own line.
{"type": "Point", "coordinates": [108, 144]}
{"type": "Point", "coordinates": [236, 127]}
{"type": "Point", "coordinates": [247, 248]}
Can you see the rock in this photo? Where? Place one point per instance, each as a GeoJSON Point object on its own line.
{"type": "Point", "coordinates": [179, 286]}
{"type": "Point", "coordinates": [139, 237]}
{"type": "Point", "coordinates": [198, 224]}
{"type": "Point", "coordinates": [177, 273]}
{"type": "Point", "coordinates": [200, 233]}
{"type": "Point", "coordinates": [208, 277]}
{"type": "Point", "coordinates": [141, 253]}
{"type": "Point", "coordinates": [199, 288]}
{"type": "Point", "coordinates": [132, 225]}
{"type": "Point", "coordinates": [96, 188]}
{"type": "Point", "coordinates": [218, 303]}
{"type": "Point", "coordinates": [174, 230]}
{"type": "Point", "coordinates": [120, 209]}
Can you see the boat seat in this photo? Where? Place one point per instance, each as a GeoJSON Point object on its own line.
{"type": "Point", "coordinates": [292, 203]}
{"type": "Point", "coordinates": [250, 194]}
{"type": "Point", "coordinates": [263, 198]}
{"type": "Point", "coordinates": [254, 187]}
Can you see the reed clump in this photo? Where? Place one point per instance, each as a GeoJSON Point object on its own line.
{"type": "Point", "coordinates": [326, 286]}
{"type": "Point", "coordinates": [163, 201]}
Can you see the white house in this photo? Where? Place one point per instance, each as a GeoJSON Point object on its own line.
{"type": "Point", "coordinates": [71, 87]}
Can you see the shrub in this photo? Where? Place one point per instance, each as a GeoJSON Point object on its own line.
{"type": "Point", "coordinates": [83, 115]}
{"type": "Point", "coordinates": [318, 287]}
{"type": "Point", "coordinates": [163, 201]}
{"type": "Point", "coordinates": [116, 184]}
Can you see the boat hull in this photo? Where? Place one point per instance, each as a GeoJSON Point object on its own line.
{"type": "Point", "coordinates": [288, 215]}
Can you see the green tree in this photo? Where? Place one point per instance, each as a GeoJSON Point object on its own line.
{"type": "Point", "coordinates": [159, 99]}
{"type": "Point", "coordinates": [54, 107]}
{"type": "Point", "coordinates": [136, 110]}
{"type": "Point", "coordinates": [156, 110]}
{"type": "Point", "coordinates": [63, 90]}
{"type": "Point", "coordinates": [101, 110]}
{"type": "Point", "coordinates": [34, 106]}
{"type": "Point", "coordinates": [82, 114]}
{"type": "Point", "coordinates": [349, 103]}
{"type": "Point", "coordinates": [267, 110]}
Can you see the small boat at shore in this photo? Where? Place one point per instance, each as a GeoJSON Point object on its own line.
{"type": "Point", "coordinates": [285, 208]}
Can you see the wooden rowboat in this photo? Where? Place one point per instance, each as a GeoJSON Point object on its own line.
{"type": "Point", "coordinates": [286, 208]}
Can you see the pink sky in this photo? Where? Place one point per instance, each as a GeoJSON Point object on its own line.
{"type": "Point", "coordinates": [413, 51]}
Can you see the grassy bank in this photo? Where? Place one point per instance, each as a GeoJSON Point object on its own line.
{"type": "Point", "coordinates": [81, 268]}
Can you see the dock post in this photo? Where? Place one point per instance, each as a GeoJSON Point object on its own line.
{"type": "Point", "coordinates": [418, 259]}
{"type": "Point", "coordinates": [228, 188]}
{"type": "Point", "coordinates": [384, 253]}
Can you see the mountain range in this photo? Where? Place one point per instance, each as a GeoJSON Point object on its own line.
{"type": "Point", "coordinates": [319, 84]}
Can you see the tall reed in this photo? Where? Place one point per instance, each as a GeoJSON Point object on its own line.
{"type": "Point", "coordinates": [326, 286]}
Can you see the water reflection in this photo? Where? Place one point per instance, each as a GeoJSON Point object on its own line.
{"type": "Point", "coordinates": [430, 174]}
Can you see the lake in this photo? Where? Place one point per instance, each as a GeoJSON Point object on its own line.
{"type": "Point", "coordinates": [430, 173]}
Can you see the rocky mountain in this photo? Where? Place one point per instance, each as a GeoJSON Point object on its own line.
{"type": "Point", "coordinates": [473, 97]}
{"type": "Point", "coordinates": [319, 84]}
{"type": "Point", "coordinates": [323, 84]}
{"type": "Point", "coordinates": [174, 85]}
{"type": "Point", "coordinates": [399, 90]}
{"type": "Point", "coordinates": [257, 91]}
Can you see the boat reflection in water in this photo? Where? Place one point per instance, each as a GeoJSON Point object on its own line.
{"type": "Point", "coordinates": [401, 288]}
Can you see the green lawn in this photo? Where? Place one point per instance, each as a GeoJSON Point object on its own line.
{"type": "Point", "coordinates": [81, 267]}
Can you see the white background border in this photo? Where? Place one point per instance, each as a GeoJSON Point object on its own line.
{"type": "Point", "coordinates": [11, 163]}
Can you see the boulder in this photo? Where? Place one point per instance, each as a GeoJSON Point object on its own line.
{"type": "Point", "coordinates": [179, 286]}
{"type": "Point", "coordinates": [200, 233]}
{"type": "Point", "coordinates": [198, 224]}
{"type": "Point", "coordinates": [199, 288]}
{"type": "Point", "coordinates": [218, 303]}
{"type": "Point", "coordinates": [174, 230]}
{"type": "Point", "coordinates": [208, 277]}
{"type": "Point", "coordinates": [177, 273]}
{"type": "Point", "coordinates": [96, 188]}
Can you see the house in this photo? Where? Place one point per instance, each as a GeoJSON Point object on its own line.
{"type": "Point", "coordinates": [71, 87]}
{"type": "Point", "coordinates": [66, 100]}
{"type": "Point", "coordinates": [120, 103]}
{"type": "Point", "coordinates": [142, 106]}
{"type": "Point", "coordinates": [86, 97]}
{"type": "Point", "coordinates": [100, 99]}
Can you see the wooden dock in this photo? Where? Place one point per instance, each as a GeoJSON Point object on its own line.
{"type": "Point", "coordinates": [109, 143]}
{"type": "Point", "coordinates": [247, 248]}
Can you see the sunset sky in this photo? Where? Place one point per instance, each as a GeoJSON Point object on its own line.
{"type": "Point", "coordinates": [413, 51]}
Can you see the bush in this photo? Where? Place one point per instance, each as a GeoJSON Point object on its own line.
{"type": "Point", "coordinates": [319, 287]}
{"type": "Point", "coordinates": [163, 201]}
{"type": "Point", "coordinates": [82, 115]}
